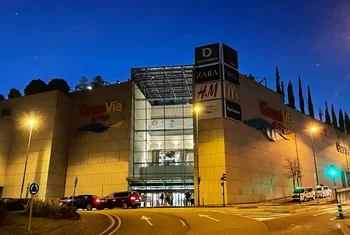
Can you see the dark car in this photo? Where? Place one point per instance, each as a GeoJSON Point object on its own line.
{"type": "Point", "coordinates": [87, 202]}
{"type": "Point", "coordinates": [124, 199]}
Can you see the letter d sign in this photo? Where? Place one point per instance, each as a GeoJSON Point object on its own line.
{"type": "Point", "coordinates": [206, 52]}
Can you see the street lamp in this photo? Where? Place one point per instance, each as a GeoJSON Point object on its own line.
{"type": "Point", "coordinates": [31, 123]}
{"type": "Point", "coordinates": [197, 109]}
{"type": "Point", "coordinates": [313, 129]}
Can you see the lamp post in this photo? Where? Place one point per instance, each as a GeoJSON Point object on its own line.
{"type": "Point", "coordinates": [313, 129]}
{"type": "Point", "coordinates": [197, 109]}
{"type": "Point", "coordinates": [31, 123]}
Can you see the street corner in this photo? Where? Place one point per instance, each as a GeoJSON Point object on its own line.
{"type": "Point", "coordinates": [90, 222]}
{"type": "Point", "coordinates": [344, 225]}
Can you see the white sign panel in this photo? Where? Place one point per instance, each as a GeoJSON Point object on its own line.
{"type": "Point", "coordinates": [210, 109]}
{"type": "Point", "coordinates": [231, 92]}
{"type": "Point", "coordinates": [208, 91]}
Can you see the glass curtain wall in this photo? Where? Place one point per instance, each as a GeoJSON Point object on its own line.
{"type": "Point", "coordinates": [163, 123]}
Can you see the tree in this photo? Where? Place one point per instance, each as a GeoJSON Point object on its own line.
{"type": "Point", "coordinates": [59, 84]}
{"type": "Point", "coordinates": [283, 93]}
{"type": "Point", "coordinates": [301, 97]}
{"type": "Point", "coordinates": [341, 121]}
{"type": "Point", "coordinates": [278, 81]}
{"type": "Point", "coordinates": [310, 104]}
{"type": "Point", "coordinates": [347, 124]}
{"type": "Point", "coordinates": [2, 97]}
{"type": "Point", "coordinates": [36, 86]}
{"type": "Point", "coordinates": [83, 83]}
{"type": "Point", "coordinates": [334, 118]}
{"type": "Point", "coordinates": [14, 93]}
{"type": "Point", "coordinates": [97, 81]}
{"type": "Point", "coordinates": [320, 114]}
{"type": "Point", "coordinates": [291, 100]}
{"type": "Point", "coordinates": [293, 171]}
{"type": "Point", "coordinates": [327, 116]}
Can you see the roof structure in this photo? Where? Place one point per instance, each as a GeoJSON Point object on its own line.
{"type": "Point", "coordinates": [167, 82]}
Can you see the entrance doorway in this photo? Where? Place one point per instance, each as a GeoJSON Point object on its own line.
{"type": "Point", "coordinates": [170, 198]}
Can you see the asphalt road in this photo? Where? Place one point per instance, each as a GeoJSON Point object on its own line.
{"type": "Point", "coordinates": [191, 221]}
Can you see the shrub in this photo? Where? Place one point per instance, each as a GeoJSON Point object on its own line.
{"type": "Point", "coordinates": [3, 213]}
{"type": "Point", "coordinates": [50, 209]}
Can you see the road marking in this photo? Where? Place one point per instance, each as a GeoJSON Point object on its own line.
{"type": "Point", "coordinates": [118, 226]}
{"type": "Point", "coordinates": [111, 226]}
{"type": "Point", "coordinates": [183, 223]}
{"type": "Point", "coordinates": [208, 217]}
{"type": "Point", "coordinates": [147, 219]}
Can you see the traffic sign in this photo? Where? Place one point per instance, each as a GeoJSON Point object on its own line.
{"type": "Point", "coordinates": [34, 188]}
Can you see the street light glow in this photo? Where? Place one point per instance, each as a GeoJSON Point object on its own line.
{"type": "Point", "coordinates": [89, 88]}
{"type": "Point", "coordinates": [31, 122]}
{"type": "Point", "coordinates": [197, 109]}
{"type": "Point", "coordinates": [313, 129]}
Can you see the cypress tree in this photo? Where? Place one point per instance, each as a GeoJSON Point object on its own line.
{"type": "Point", "coordinates": [291, 100]}
{"type": "Point", "coordinates": [334, 118]}
{"type": "Point", "coordinates": [310, 104]}
{"type": "Point", "coordinates": [278, 81]}
{"type": "Point", "coordinates": [320, 114]}
{"type": "Point", "coordinates": [327, 116]}
{"type": "Point", "coordinates": [341, 121]}
{"type": "Point", "coordinates": [347, 124]}
{"type": "Point", "coordinates": [301, 97]}
{"type": "Point", "coordinates": [283, 93]}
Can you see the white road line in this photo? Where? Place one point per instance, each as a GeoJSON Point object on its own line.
{"type": "Point", "coordinates": [118, 226]}
{"type": "Point", "coordinates": [111, 226]}
{"type": "Point", "coordinates": [183, 223]}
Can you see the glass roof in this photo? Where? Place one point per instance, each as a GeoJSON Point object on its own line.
{"type": "Point", "coordinates": [167, 82]}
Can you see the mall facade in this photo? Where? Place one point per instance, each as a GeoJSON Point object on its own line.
{"type": "Point", "coordinates": [171, 129]}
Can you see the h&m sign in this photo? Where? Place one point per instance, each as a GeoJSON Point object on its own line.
{"type": "Point", "coordinates": [208, 91]}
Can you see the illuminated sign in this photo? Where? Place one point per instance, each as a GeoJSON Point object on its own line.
{"type": "Point", "coordinates": [208, 91]}
{"type": "Point", "coordinates": [280, 117]}
{"type": "Point", "coordinates": [342, 149]}
{"type": "Point", "coordinates": [101, 112]}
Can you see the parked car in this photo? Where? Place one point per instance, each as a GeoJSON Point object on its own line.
{"type": "Point", "coordinates": [305, 194]}
{"type": "Point", "coordinates": [88, 202]}
{"type": "Point", "coordinates": [65, 200]}
{"type": "Point", "coordinates": [124, 199]}
{"type": "Point", "coordinates": [323, 191]}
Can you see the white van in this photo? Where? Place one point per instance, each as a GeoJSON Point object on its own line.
{"type": "Point", "coordinates": [324, 191]}
{"type": "Point", "coordinates": [306, 193]}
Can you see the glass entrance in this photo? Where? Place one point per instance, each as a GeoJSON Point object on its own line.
{"type": "Point", "coordinates": [166, 198]}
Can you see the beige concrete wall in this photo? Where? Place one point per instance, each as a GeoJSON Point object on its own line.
{"type": "Point", "coordinates": [62, 132]}
{"type": "Point", "coordinates": [44, 104]}
{"type": "Point", "coordinates": [255, 165]}
{"type": "Point", "coordinates": [5, 139]}
{"type": "Point", "coordinates": [212, 161]}
{"type": "Point", "coordinates": [100, 160]}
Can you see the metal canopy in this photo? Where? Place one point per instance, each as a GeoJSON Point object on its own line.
{"type": "Point", "coordinates": [164, 83]}
{"type": "Point", "coordinates": [153, 181]}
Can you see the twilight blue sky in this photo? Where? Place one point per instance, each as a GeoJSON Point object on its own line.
{"type": "Point", "coordinates": [68, 39]}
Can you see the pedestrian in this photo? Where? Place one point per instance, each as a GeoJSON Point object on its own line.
{"type": "Point", "coordinates": [162, 198]}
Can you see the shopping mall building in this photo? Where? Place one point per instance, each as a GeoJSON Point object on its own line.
{"type": "Point", "coordinates": [142, 135]}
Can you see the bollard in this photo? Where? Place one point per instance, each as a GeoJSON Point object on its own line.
{"type": "Point", "coordinates": [340, 212]}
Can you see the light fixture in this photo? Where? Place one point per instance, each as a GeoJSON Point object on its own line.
{"type": "Point", "coordinates": [31, 122]}
{"type": "Point", "coordinates": [89, 88]}
{"type": "Point", "coordinates": [313, 129]}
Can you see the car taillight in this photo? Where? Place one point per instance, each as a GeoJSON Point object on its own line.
{"type": "Point", "coordinates": [98, 200]}
{"type": "Point", "coordinates": [132, 198]}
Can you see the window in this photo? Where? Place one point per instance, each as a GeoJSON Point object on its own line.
{"type": "Point", "coordinates": [6, 112]}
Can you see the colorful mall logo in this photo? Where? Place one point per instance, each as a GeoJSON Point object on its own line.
{"type": "Point", "coordinates": [279, 129]}
{"type": "Point", "coordinates": [101, 112]}
{"type": "Point", "coordinates": [280, 117]}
